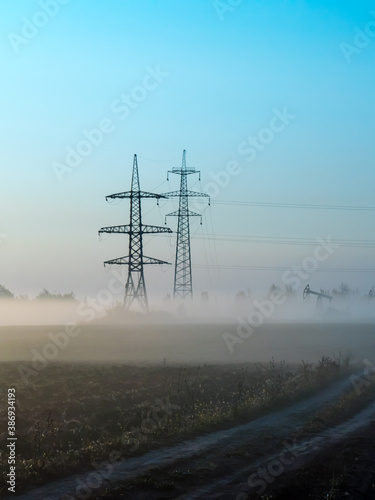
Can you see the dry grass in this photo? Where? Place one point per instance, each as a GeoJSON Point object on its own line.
{"type": "Point", "coordinates": [73, 415]}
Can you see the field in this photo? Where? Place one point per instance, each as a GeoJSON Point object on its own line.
{"type": "Point", "coordinates": [191, 343]}
{"type": "Point", "coordinates": [163, 428]}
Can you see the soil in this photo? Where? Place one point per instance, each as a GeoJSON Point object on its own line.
{"type": "Point", "coordinates": [279, 456]}
{"type": "Point", "coordinates": [343, 471]}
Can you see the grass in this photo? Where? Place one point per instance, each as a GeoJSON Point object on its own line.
{"type": "Point", "coordinates": [71, 415]}
{"type": "Point", "coordinates": [344, 408]}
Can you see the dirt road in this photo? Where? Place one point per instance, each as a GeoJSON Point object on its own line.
{"type": "Point", "coordinates": [215, 465]}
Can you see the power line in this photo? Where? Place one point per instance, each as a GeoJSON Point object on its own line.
{"type": "Point", "coordinates": [309, 206]}
{"type": "Point", "coordinates": [158, 161]}
{"type": "Point", "coordinates": [289, 241]}
{"type": "Point", "coordinates": [284, 268]}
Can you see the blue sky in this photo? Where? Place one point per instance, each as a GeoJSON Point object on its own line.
{"type": "Point", "coordinates": [224, 75]}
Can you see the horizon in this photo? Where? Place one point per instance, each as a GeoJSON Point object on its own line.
{"type": "Point", "coordinates": [282, 139]}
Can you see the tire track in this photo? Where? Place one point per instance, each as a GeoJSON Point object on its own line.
{"type": "Point", "coordinates": [286, 421]}
{"type": "Point", "coordinates": [307, 450]}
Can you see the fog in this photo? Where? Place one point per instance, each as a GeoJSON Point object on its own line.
{"type": "Point", "coordinates": [274, 306]}
{"type": "Point", "coordinates": [247, 329]}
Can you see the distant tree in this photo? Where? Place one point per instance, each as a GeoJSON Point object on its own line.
{"type": "Point", "coordinates": [275, 290]}
{"type": "Point", "coordinates": [46, 295]}
{"type": "Point", "coordinates": [289, 292]}
{"type": "Point", "coordinates": [5, 293]}
{"type": "Point", "coordinates": [240, 297]}
{"type": "Point", "coordinates": [167, 298]}
{"type": "Point", "coordinates": [343, 291]}
{"type": "Point", "coordinates": [242, 302]}
{"type": "Point", "coordinates": [22, 297]}
{"type": "Point", "coordinates": [204, 297]}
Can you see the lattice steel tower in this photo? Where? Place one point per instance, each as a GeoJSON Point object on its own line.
{"type": "Point", "coordinates": [135, 288]}
{"type": "Point", "coordinates": [183, 286]}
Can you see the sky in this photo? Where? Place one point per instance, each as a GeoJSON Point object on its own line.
{"type": "Point", "coordinates": [156, 77]}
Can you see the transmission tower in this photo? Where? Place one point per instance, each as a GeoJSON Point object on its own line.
{"type": "Point", "coordinates": [183, 286]}
{"type": "Point", "coordinates": [135, 288]}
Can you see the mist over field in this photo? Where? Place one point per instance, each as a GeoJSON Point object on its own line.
{"type": "Point", "coordinates": [276, 305]}
{"type": "Point", "coordinates": [187, 285]}
{"type": "Point", "coordinates": [246, 330]}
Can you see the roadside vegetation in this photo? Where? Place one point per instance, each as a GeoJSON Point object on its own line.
{"type": "Point", "coordinates": [71, 415]}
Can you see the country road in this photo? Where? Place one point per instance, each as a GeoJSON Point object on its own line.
{"type": "Point", "coordinates": [266, 434]}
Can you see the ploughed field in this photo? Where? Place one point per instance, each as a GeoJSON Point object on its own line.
{"type": "Point", "coordinates": [124, 412]}
{"type": "Point", "coordinates": [84, 418]}
{"type": "Point", "coordinates": [186, 343]}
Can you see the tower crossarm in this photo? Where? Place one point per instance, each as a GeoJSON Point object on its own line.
{"type": "Point", "coordinates": [117, 262]}
{"type": "Point", "coordinates": [151, 260]}
{"type": "Point", "coordinates": [145, 229]}
{"type": "Point", "coordinates": [135, 194]}
{"type": "Point", "coordinates": [116, 229]}
{"type": "Point", "coordinates": [188, 193]}
{"type": "Point", "coordinates": [180, 171]}
{"type": "Point", "coordinates": [155, 229]}
{"type": "Point", "coordinates": [126, 261]}
{"type": "Point", "coordinates": [134, 265]}
{"type": "Point", "coordinates": [176, 213]}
